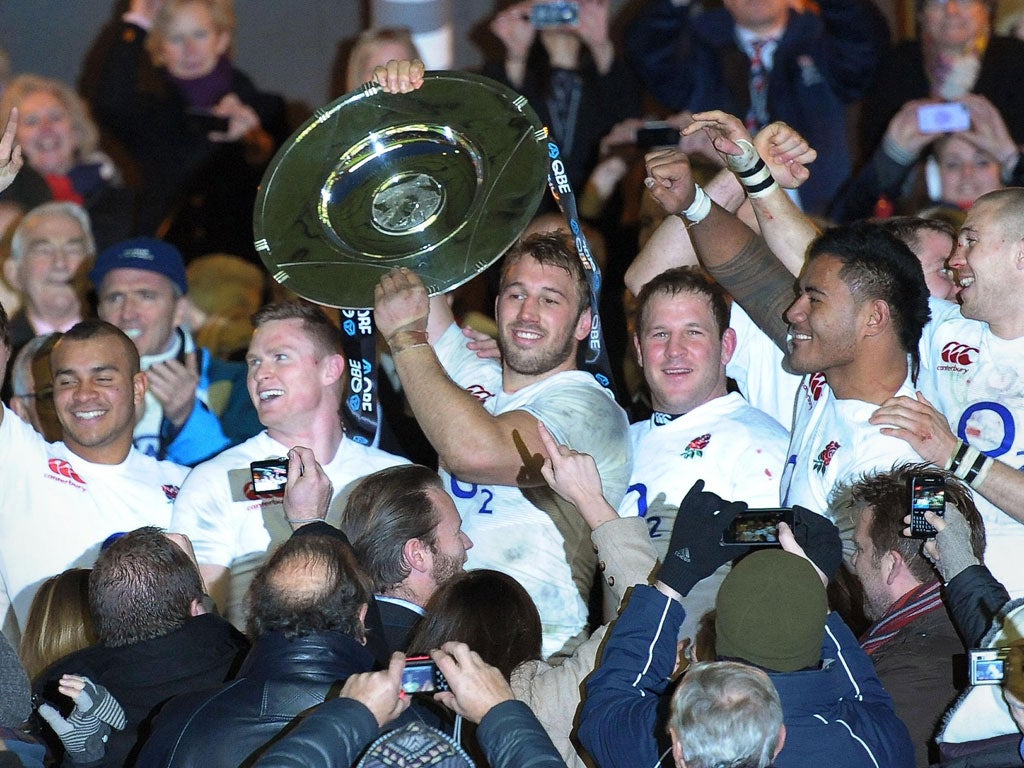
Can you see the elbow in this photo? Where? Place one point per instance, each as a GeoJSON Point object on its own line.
{"type": "Point", "coordinates": [469, 466]}
{"type": "Point", "coordinates": [634, 279]}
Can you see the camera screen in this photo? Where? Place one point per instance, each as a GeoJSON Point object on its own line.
{"type": "Point", "coordinates": [988, 670]}
{"type": "Point", "coordinates": [987, 665]}
{"type": "Point", "coordinates": [269, 477]}
{"type": "Point", "coordinates": [556, 14]}
{"type": "Point", "coordinates": [757, 528]}
{"type": "Point", "coordinates": [418, 679]}
{"type": "Point", "coordinates": [943, 118]}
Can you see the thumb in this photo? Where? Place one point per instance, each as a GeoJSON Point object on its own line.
{"type": "Point", "coordinates": [192, 363]}
{"type": "Point", "coordinates": [53, 717]}
{"type": "Point", "coordinates": [396, 665]}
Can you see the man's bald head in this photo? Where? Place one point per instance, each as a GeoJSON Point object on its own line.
{"type": "Point", "coordinates": [310, 584]}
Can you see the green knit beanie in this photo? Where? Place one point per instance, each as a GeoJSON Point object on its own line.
{"type": "Point", "coordinates": [771, 612]}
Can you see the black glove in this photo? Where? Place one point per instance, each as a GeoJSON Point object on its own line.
{"type": "Point", "coordinates": [695, 550]}
{"type": "Point", "coordinates": [820, 539]}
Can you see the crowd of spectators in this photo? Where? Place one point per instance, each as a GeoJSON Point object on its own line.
{"type": "Point", "coordinates": [731, 563]}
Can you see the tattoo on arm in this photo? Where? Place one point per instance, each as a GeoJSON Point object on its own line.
{"type": "Point", "coordinates": [761, 285]}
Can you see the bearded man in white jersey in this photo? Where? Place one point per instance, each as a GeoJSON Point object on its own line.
{"type": "Point", "coordinates": [483, 419]}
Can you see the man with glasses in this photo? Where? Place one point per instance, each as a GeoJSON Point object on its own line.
{"type": "Point", "coordinates": [50, 252]}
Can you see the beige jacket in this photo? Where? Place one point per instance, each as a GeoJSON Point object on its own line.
{"type": "Point", "coordinates": [625, 557]}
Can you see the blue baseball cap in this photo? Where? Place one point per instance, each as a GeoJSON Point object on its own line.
{"type": "Point", "coordinates": [146, 253]}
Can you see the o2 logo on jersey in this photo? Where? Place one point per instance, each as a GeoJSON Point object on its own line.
{"type": "Point", "coordinates": [462, 490]}
{"type": "Point", "coordinates": [64, 469]}
{"type": "Point", "coordinates": [956, 353]}
{"type": "Point", "coordinates": [653, 521]}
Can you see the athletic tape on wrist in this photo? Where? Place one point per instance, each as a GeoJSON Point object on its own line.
{"type": "Point", "coordinates": [746, 161]}
{"type": "Point", "coordinates": [751, 170]}
{"type": "Point", "coordinates": [699, 208]}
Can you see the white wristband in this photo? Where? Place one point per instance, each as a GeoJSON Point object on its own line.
{"type": "Point", "coordinates": [699, 208]}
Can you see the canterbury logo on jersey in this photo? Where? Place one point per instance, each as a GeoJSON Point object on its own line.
{"type": "Point", "coordinates": [250, 493]}
{"type": "Point", "coordinates": [660, 418]}
{"type": "Point", "coordinates": [957, 354]}
{"type": "Point", "coordinates": [64, 469]}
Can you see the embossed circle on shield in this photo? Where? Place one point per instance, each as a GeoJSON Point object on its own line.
{"type": "Point", "coordinates": [441, 180]}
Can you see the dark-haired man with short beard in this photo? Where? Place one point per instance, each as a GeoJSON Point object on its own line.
{"type": "Point", "coordinates": [408, 536]}
{"type": "Point", "coordinates": [912, 641]}
{"type": "Point", "coordinates": [306, 607]}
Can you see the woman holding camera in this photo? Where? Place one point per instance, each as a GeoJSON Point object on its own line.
{"type": "Point", "coordinates": [955, 54]}
{"type": "Point", "coordinates": [564, 63]}
{"type": "Point", "coordinates": [918, 165]}
{"type": "Point", "coordinates": [199, 129]}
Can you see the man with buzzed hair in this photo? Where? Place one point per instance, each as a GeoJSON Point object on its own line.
{"type": "Point", "coordinates": [62, 500]}
{"type": "Point", "coordinates": [306, 609]}
{"type": "Point", "coordinates": [408, 535]}
{"type": "Point", "coordinates": [972, 364]}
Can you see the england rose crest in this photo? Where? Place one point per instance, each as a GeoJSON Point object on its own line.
{"type": "Point", "coordinates": [695, 448]}
{"type": "Point", "coordinates": [821, 463]}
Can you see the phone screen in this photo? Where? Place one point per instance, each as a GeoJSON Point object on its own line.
{"type": "Point", "coordinates": [555, 14]}
{"type": "Point", "coordinates": [757, 527]}
{"type": "Point", "coordinates": [926, 494]}
{"type": "Point", "coordinates": [943, 118]}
